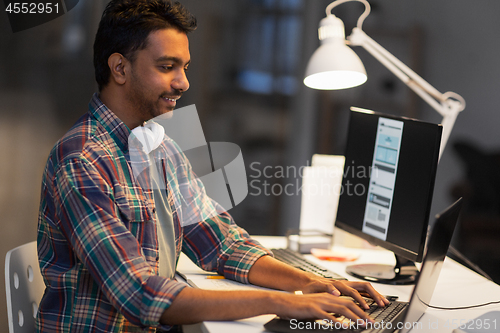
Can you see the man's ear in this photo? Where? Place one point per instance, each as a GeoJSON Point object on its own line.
{"type": "Point", "coordinates": [116, 63]}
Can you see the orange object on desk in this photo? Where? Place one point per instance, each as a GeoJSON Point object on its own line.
{"type": "Point", "coordinates": [329, 255]}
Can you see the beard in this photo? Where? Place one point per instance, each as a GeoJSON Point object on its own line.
{"type": "Point", "coordinates": [146, 103]}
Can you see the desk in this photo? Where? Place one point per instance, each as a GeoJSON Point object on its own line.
{"type": "Point", "coordinates": [457, 286]}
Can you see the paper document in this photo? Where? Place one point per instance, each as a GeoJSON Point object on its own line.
{"type": "Point", "coordinates": [321, 188]}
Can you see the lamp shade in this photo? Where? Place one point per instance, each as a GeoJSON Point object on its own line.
{"type": "Point", "coordinates": [334, 65]}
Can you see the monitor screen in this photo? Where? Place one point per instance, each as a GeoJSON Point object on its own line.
{"type": "Point", "coordinates": [389, 172]}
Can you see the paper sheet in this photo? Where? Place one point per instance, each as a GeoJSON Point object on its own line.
{"type": "Point", "coordinates": [321, 185]}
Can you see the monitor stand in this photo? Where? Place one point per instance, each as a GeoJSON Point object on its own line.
{"type": "Point", "coordinates": [404, 272]}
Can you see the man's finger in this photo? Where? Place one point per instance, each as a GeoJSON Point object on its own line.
{"type": "Point", "coordinates": [331, 289]}
{"type": "Point", "coordinates": [375, 295]}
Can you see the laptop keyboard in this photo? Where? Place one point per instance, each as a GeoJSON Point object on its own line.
{"type": "Point", "coordinates": [386, 313]}
{"type": "Point", "coordinates": [379, 314]}
{"type": "Point", "coordinates": [297, 260]}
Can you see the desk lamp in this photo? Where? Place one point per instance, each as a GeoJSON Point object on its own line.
{"type": "Point", "coordinates": [335, 66]}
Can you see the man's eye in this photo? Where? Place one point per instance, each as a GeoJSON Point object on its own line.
{"type": "Point", "coordinates": [167, 67]}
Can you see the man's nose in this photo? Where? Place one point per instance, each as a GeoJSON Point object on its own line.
{"type": "Point", "coordinates": [181, 82]}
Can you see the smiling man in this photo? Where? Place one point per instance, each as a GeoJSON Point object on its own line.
{"type": "Point", "coordinates": [108, 247]}
{"type": "Point", "coordinates": [150, 81]}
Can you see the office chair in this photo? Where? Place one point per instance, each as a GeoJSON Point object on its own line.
{"type": "Point", "coordinates": [24, 287]}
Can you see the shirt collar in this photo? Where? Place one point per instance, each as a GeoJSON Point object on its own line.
{"type": "Point", "coordinates": [116, 128]}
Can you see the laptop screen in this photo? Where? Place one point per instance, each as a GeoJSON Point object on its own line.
{"type": "Point", "coordinates": [437, 248]}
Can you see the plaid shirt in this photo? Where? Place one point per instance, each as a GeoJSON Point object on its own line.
{"type": "Point", "coordinates": [97, 240]}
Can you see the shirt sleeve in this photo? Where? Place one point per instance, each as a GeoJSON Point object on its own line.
{"type": "Point", "coordinates": [216, 243]}
{"type": "Point", "coordinates": [102, 242]}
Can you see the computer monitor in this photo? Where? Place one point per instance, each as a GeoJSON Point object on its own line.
{"type": "Point", "coordinates": [389, 172]}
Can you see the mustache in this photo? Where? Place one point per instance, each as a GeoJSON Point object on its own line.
{"type": "Point", "coordinates": [175, 93]}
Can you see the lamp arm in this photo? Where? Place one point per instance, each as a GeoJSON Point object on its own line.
{"type": "Point", "coordinates": [447, 105]}
{"type": "Point", "coordinates": [448, 122]}
{"type": "Point", "coordinates": [359, 37]}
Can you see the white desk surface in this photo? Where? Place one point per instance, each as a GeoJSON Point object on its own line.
{"type": "Point", "coordinates": [457, 286]}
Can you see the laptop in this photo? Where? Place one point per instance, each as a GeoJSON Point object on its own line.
{"type": "Point", "coordinates": [396, 314]}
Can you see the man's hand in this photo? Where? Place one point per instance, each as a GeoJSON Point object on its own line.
{"type": "Point", "coordinates": [271, 273]}
{"type": "Point", "coordinates": [353, 289]}
{"type": "Point", "coordinates": [319, 306]}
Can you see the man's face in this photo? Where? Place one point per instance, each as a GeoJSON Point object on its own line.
{"type": "Point", "coordinates": [158, 73]}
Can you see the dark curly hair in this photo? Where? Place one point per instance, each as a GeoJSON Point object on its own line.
{"type": "Point", "coordinates": [126, 24]}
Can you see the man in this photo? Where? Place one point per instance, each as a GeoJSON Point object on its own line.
{"type": "Point", "coordinates": [98, 232]}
